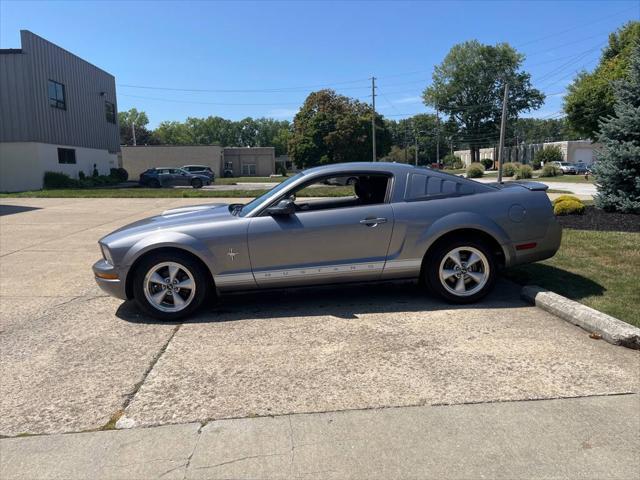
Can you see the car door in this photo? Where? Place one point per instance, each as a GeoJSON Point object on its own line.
{"type": "Point", "coordinates": [180, 177]}
{"type": "Point", "coordinates": [320, 246]}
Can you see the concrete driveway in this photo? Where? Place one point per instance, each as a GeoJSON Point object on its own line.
{"type": "Point", "coordinates": [72, 358]}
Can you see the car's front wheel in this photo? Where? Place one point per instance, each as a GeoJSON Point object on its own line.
{"type": "Point", "coordinates": [196, 183]}
{"type": "Point", "coordinates": [461, 271]}
{"type": "Point", "coordinates": [170, 286]}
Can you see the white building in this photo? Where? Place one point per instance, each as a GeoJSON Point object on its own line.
{"type": "Point", "coordinates": [573, 151]}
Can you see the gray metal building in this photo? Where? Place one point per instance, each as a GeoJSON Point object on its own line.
{"type": "Point", "coordinates": [59, 113]}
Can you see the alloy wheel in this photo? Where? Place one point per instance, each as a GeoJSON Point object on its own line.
{"type": "Point", "coordinates": [169, 287]}
{"type": "Point", "coordinates": [464, 271]}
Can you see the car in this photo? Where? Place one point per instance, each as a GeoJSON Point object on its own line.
{"type": "Point", "coordinates": [566, 167]}
{"type": "Point", "coordinates": [341, 181]}
{"type": "Point", "coordinates": [200, 170]}
{"type": "Point", "coordinates": [170, 177]}
{"type": "Point", "coordinates": [581, 168]}
{"type": "Point", "coordinates": [398, 222]}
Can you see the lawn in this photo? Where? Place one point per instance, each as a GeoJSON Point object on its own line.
{"type": "Point", "coordinates": [235, 180]}
{"type": "Point", "coordinates": [598, 269]}
{"type": "Point", "coordinates": [169, 193]}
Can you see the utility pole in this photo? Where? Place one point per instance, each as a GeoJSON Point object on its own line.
{"type": "Point", "coordinates": [133, 133]}
{"type": "Point", "coordinates": [415, 138]}
{"type": "Point", "coordinates": [503, 126]}
{"type": "Point", "coordinates": [373, 117]}
{"type": "Point", "coordinates": [437, 137]}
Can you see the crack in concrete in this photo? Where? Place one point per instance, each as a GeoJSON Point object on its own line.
{"type": "Point", "coordinates": [195, 447]}
{"type": "Point", "coordinates": [242, 459]}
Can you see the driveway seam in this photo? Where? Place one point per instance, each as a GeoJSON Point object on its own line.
{"type": "Point", "coordinates": [123, 422]}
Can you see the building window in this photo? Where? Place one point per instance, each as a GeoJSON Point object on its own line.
{"type": "Point", "coordinates": [57, 97]}
{"type": "Point", "coordinates": [66, 155]}
{"type": "Point", "coordinates": [248, 169]}
{"type": "Point", "coordinates": [110, 110]}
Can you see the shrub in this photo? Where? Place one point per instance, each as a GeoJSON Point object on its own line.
{"type": "Point", "coordinates": [524, 171]}
{"type": "Point", "coordinates": [550, 171]}
{"type": "Point", "coordinates": [536, 163]}
{"type": "Point", "coordinates": [569, 207]}
{"type": "Point", "coordinates": [548, 154]}
{"type": "Point", "coordinates": [119, 174]}
{"type": "Point", "coordinates": [59, 180]}
{"type": "Point", "coordinates": [487, 163]}
{"type": "Point", "coordinates": [452, 161]}
{"type": "Point", "coordinates": [509, 169]}
{"type": "Point", "coordinates": [475, 170]}
{"type": "Point", "coordinates": [563, 198]}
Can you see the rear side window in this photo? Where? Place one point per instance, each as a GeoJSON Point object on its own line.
{"type": "Point", "coordinates": [422, 186]}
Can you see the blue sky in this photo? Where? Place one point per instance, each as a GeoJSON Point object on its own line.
{"type": "Point", "coordinates": [263, 58]}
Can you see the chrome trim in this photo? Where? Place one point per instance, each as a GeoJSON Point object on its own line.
{"type": "Point", "coordinates": [318, 271]}
{"type": "Point", "coordinates": [234, 279]}
{"type": "Point", "coordinates": [403, 264]}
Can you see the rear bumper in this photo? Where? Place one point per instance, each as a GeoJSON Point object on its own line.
{"type": "Point", "coordinates": [113, 286]}
{"type": "Point", "coordinates": [545, 247]}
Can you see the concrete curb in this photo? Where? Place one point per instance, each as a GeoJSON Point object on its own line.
{"type": "Point", "coordinates": [612, 330]}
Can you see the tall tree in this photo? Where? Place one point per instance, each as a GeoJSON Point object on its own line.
{"type": "Point", "coordinates": [332, 128]}
{"type": "Point", "coordinates": [591, 95]}
{"type": "Point", "coordinates": [468, 86]}
{"type": "Point", "coordinates": [140, 121]}
{"type": "Point", "coordinates": [618, 167]}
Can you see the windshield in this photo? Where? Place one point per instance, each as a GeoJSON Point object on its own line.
{"type": "Point", "coordinates": [253, 204]}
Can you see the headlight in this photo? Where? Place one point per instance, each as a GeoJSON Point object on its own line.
{"type": "Point", "coordinates": [106, 254]}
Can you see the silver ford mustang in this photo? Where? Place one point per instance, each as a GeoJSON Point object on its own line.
{"type": "Point", "coordinates": [394, 221]}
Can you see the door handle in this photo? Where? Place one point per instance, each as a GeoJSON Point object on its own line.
{"type": "Point", "coordinates": [372, 222]}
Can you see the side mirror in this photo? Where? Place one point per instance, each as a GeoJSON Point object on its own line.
{"type": "Point", "coordinates": [284, 207]}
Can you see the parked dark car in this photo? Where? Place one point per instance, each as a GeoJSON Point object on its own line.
{"type": "Point", "coordinates": [170, 177]}
{"type": "Point", "coordinates": [200, 170]}
{"type": "Point", "coordinates": [580, 168]}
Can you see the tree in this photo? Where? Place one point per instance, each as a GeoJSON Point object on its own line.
{"type": "Point", "coordinates": [469, 85]}
{"type": "Point", "coordinates": [591, 95]}
{"type": "Point", "coordinates": [536, 130]}
{"type": "Point", "coordinates": [424, 129]}
{"type": "Point", "coordinates": [548, 154]}
{"type": "Point", "coordinates": [140, 120]}
{"type": "Point", "coordinates": [618, 167]}
{"type": "Point", "coordinates": [174, 133]}
{"type": "Point", "coordinates": [332, 128]}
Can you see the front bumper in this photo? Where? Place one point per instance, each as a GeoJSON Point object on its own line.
{"type": "Point", "coordinates": [113, 286]}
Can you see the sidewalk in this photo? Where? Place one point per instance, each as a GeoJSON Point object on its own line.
{"type": "Point", "coordinates": [590, 437]}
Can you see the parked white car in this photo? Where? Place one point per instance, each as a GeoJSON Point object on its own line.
{"type": "Point", "coordinates": [566, 167]}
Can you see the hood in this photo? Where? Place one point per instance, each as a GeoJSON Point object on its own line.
{"type": "Point", "coordinates": [174, 219]}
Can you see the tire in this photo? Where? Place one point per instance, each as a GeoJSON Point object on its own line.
{"type": "Point", "coordinates": [196, 183]}
{"type": "Point", "coordinates": [352, 181]}
{"type": "Point", "coordinates": [188, 271]}
{"type": "Point", "coordinates": [443, 273]}
{"type": "Point", "coordinates": [153, 183]}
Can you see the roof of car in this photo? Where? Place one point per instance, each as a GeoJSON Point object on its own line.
{"type": "Point", "coordinates": [350, 166]}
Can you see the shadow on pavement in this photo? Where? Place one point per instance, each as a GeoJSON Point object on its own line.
{"type": "Point", "coordinates": [341, 301]}
{"type": "Point", "coordinates": [556, 279]}
{"type": "Point", "coordinates": [11, 209]}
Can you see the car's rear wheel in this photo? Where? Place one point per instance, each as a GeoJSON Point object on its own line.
{"type": "Point", "coordinates": [196, 183]}
{"type": "Point", "coordinates": [461, 271]}
{"type": "Point", "coordinates": [170, 286]}
{"type": "Point", "coordinates": [352, 181]}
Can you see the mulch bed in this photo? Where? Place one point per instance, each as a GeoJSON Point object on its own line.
{"type": "Point", "coordinates": [596, 219]}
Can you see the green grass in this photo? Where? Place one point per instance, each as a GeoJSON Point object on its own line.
{"type": "Point", "coordinates": [235, 180]}
{"type": "Point", "coordinates": [169, 193]}
{"type": "Point", "coordinates": [598, 269]}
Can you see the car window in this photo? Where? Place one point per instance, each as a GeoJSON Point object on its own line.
{"type": "Point", "coordinates": [349, 190]}
{"type": "Point", "coordinates": [425, 186]}
{"type": "Point", "coordinates": [256, 202]}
